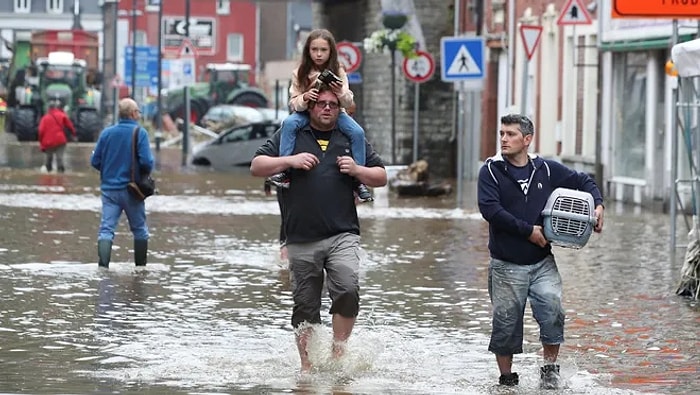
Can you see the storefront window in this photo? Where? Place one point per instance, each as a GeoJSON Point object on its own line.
{"type": "Point", "coordinates": [629, 111]}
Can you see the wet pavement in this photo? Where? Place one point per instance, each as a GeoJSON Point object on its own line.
{"type": "Point", "coordinates": [211, 311]}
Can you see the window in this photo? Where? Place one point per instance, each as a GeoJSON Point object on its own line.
{"type": "Point", "coordinates": [223, 7]}
{"type": "Point", "coordinates": [630, 109]}
{"type": "Point", "coordinates": [234, 47]}
{"type": "Point", "coordinates": [152, 5]}
{"type": "Point", "coordinates": [54, 6]}
{"type": "Point", "coordinates": [23, 6]}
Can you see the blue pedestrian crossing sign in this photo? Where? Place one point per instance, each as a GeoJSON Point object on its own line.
{"type": "Point", "coordinates": [462, 59]}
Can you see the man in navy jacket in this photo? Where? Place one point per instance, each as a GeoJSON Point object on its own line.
{"type": "Point", "coordinates": [513, 189]}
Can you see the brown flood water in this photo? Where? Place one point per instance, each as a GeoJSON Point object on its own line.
{"type": "Point", "coordinates": [210, 313]}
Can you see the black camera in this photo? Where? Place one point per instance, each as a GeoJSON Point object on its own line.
{"type": "Point", "coordinates": [328, 76]}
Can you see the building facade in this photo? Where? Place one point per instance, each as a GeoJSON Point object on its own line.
{"type": "Point", "coordinates": [27, 15]}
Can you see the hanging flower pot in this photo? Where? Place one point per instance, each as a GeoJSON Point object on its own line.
{"type": "Point", "coordinates": [394, 20]}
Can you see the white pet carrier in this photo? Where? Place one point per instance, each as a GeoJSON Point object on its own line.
{"type": "Point", "coordinates": [569, 218]}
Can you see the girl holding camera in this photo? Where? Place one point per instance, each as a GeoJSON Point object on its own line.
{"type": "Point", "coordinates": [319, 64]}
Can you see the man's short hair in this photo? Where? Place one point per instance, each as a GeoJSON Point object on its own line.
{"type": "Point", "coordinates": [526, 126]}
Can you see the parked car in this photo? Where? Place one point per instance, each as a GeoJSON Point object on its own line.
{"type": "Point", "coordinates": [224, 116]}
{"type": "Point", "coordinates": [272, 114]}
{"type": "Point", "coordinates": [234, 146]}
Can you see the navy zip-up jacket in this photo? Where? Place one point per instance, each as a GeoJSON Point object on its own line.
{"type": "Point", "coordinates": [512, 213]}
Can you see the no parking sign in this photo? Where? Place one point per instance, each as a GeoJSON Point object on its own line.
{"type": "Point", "coordinates": [420, 68]}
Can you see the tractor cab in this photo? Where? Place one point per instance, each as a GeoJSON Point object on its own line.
{"type": "Point", "coordinates": [61, 77]}
{"type": "Point", "coordinates": [224, 78]}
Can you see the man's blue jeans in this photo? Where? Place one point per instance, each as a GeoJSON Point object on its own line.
{"type": "Point", "coordinates": [510, 286]}
{"type": "Point", "coordinates": [113, 203]}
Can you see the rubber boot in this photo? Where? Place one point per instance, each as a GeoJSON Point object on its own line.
{"type": "Point", "coordinates": [104, 252]}
{"type": "Point", "coordinates": [140, 252]}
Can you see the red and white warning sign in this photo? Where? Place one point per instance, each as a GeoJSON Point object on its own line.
{"type": "Point", "coordinates": [575, 13]}
{"type": "Point", "coordinates": [349, 55]}
{"type": "Point", "coordinates": [420, 68]}
{"type": "Point", "coordinates": [531, 37]}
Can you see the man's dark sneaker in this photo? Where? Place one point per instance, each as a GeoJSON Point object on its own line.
{"type": "Point", "coordinates": [280, 180]}
{"type": "Point", "coordinates": [509, 380]}
{"type": "Point", "coordinates": [549, 377]}
{"type": "Point", "coordinates": [364, 194]}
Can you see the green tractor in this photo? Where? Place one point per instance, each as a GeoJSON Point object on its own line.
{"type": "Point", "coordinates": [223, 83]}
{"type": "Point", "coordinates": [57, 77]}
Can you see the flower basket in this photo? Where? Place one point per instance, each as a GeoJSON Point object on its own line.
{"type": "Point", "coordinates": [388, 40]}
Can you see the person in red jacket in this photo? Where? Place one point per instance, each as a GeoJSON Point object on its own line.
{"type": "Point", "coordinates": [52, 137]}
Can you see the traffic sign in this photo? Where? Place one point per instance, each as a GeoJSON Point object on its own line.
{"type": "Point", "coordinates": [349, 55]}
{"type": "Point", "coordinates": [531, 37]}
{"type": "Point", "coordinates": [187, 49]}
{"type": "Point", "coordinates": [354, 78]}
{"type": "Point", "coordinates": [462, 58]}
{"type": "Point", "coordinates": [673, 9]}
{"type": "Point", "coordinates": [188, 71]}
{"type": "Point", "coordinates": [420, 68]}
{"type": "Point", "coordinates": [574, 13]}
{"type": "Point", "coordinates": [146, 64]}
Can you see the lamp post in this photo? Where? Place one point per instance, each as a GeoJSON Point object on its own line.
{"type": "Point", "coordinates": [393, 21]}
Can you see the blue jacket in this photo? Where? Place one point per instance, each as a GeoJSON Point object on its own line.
{"type": "Point", "coordinates": [112, 154]}
{"type": "Point", "coordinates": [512, 213]}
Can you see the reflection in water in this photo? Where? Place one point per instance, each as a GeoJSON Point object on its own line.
{"type": "Point", "coordinates": [211, 311]}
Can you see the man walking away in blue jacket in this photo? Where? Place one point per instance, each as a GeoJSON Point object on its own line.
{"type": "Point", "coordinates": [112, 157]}
{"type": "Point", "coordinates": [513, 189]}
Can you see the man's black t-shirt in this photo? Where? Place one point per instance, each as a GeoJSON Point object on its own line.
{"type": "Point", "coordinates": [320, 202]}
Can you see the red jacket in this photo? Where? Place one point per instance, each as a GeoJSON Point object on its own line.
{"type": "Point", "coordinates": [51, 132]}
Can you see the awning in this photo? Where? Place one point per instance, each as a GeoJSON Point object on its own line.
{"type": "Point", "coordinates": [642, 45]}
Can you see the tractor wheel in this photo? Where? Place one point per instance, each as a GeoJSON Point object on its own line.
{"type": "Point", "coordinates": [24, 124]}
{"type": "Point", "coordinates": [88, 125]}
{"type": "Point", "coordinates": [250, 99]}
{"type": "Point", "coordinates": [195, 112]}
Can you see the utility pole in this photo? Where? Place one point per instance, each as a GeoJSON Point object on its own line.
{"type": "Point", "coordinates": [159, 101]}
{"type": "Point", "coordinates": [133, 49]}
{"type": "Point", "coordinates": [186, 126]}
{"type": "Point", "coordinates": [109, 58]}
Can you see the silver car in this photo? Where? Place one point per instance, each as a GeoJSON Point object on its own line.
{"type": "Point", "coordinates": [235, 146]}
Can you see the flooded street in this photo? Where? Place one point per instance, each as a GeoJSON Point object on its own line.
{"type": "Point", "coordinates": [211, 311]}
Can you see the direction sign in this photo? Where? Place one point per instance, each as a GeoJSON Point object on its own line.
{"type": "Point", "coordinates": [673, 9]}
{"type": "Point", "coordinates": [531, 37]}
{"type": "Point", "coordinates": [462, 58]}
{"type": "Point", "coordinates": [146, 65]}
{"type": "Point", "coordinates": [349, 55]}
{"type": "Point", "coordinates": [420, 68]}
{"type": "Point", "coordinates": [574, 13]}
{"type": "Point", "coordinates": [202, 33]}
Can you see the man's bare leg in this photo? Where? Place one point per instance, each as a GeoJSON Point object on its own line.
{"type": "Point", "coordinates": [505, 363]}
{"type": "Point", "coordinates": [550, 352]}
{"type": "Point", "coordinates": [342, 328]}
{"type": "Point", "coordinates": [302, 342]}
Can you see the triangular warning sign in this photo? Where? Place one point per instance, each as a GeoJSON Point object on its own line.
{"type": "Point", "coordinates": [574, 13]}
{"type": "Point", "coordinates": [531, 37]}
{"type": "Point", "coordinates": [463, 64]}
{"type": "Point", "coordinates": [187, 49]}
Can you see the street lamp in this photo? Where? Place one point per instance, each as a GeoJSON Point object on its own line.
{"type": "Point", "coordinates": [393, 21]}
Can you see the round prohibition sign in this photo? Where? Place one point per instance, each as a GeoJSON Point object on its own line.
{"type": "Point", "coordinates": [420, 68]}
{"type": "Point", "coordinates": [349, 55]}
